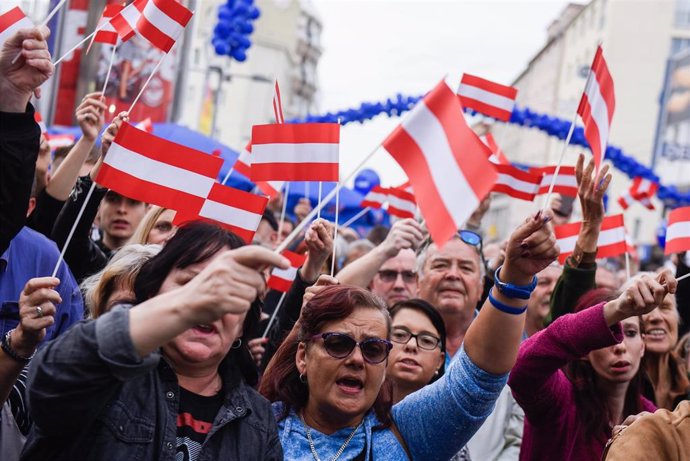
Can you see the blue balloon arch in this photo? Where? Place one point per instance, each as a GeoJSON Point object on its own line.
{"type": "Point", "coordinates": [525, 117]}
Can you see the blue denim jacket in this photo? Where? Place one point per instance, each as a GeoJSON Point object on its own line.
{"type": "Point", "coordinates": [93, 398]}
{"type": "Point", "coordinates": [435, 422]}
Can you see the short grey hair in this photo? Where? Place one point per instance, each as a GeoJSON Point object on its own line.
{"type": "Point", "coordinates": [423, 252]}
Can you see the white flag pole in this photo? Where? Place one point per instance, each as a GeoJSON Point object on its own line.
{"type": "Point", "coordinates": [306, 190]}
{"type": "Point", "coordinates": [153, 72]}
{"type": "Point", "coordinates": [282, 212]}
{"type": "Point", "coordinates": [227, 176]}
{"type": "Point", "coordinates": [274, 315]}
{"type": "Point", "coordinates": [74, 228]}
{"type": "Point", "coordinates": [335, 230]}
{"type": "Point", "coordinates": [565, 148]}
{"type": "Point", "coordinates": [43, 23]}
{"type": "Point", "coordinates": [295, 232]}
{"type": "Point", "coordinates": [84, 40]}
{"type": "Point", "coordinates": [318, 214]}
{"type": "Point", "coordinates": [356, 217]}
{"type": "Point", "coordinates": [110, 68]}
{"type": "Point", "coordinates": [683, 277]}
{"type": "Point", "coordinates": [627, 265]}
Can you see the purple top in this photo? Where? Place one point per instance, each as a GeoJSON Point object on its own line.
{"type": "Point", "coordinates": [546, 394]}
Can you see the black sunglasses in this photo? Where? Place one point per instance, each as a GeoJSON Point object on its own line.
{"type": "Point", "coordinates": [389, 276]}
{"type": "Point", "coordinates": [341, 345]}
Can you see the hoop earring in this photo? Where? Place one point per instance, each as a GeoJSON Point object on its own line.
{"type": "Point", "coordinates": [237, 343]}
{"type": "Point", "coordinates": [302, 378]}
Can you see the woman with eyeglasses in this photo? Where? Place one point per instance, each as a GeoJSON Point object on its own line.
{"type": "Point", "coordinates": [328, 378]}
{"type": "Point", "coordinates": [419, 347]}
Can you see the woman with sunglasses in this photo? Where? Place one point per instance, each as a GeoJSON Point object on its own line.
{"type": "Point", "coordinates": [419, 347]}
{"type": "Point", "coordinates": [328, 378]}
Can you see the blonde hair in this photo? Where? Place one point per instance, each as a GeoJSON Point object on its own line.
{"type": "Point", "coordinates": [121, 271]}
{"type": "Point", "coordinates": [141, 234]}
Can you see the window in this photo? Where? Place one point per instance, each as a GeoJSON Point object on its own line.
{"type": "Point", "coordinates": [679, 44]}
{"type": "Point", "coordinates": [682, 16]}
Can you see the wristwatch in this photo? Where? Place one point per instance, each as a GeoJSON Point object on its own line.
{"type": "Point", "coordinates": [514, 291]}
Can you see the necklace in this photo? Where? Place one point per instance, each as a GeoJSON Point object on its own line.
{"type": "Point", "coordinates": [340, 450]}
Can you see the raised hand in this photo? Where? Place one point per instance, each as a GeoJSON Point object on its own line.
{"type": "Point", "coordinates": [20, 80]}
{"type": "Point", "coordinates": [643, 295]}
{"type": "Point", "coordinates": [323, 281]}
{"type": "Point", "coordinates": [406, 233]}
{"type": "Point", "coordinates": [319, 241]}
{"type": "Point", "coordinates": [90, 115]}
{"type": "Point", "coordinates": [229, 284]}
{"type": "Point", "coordinates": [111, 131]}
{"type": "Point", "coordinates": [36, 313]}
{"type": "Point", "coordinates": [591, 190]}
{"type": "Point", "coordinates": [530, 248]}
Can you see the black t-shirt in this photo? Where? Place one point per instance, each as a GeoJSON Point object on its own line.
{"type": "Point", "coordinates": [194, 421]}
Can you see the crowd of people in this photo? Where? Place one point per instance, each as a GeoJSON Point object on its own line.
{"type": "Point", "coordinates": [148, 344]}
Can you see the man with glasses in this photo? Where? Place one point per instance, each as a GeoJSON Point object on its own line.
{"type": "Point", "coordinates": [388, 270]}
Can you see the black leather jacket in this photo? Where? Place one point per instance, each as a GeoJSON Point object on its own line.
{"type": "Point", "coordinates": [93, 398]}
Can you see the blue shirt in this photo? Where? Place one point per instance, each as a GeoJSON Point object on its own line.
{"type": "Point", "coordinates": [435, 422]}
{"type": "Point", "coordinates": [33, 255]}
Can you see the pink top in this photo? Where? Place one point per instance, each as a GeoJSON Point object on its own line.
{"type": "Point", "coordinates": [552, 430]}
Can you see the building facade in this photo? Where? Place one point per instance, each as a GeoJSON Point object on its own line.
{"type": "Point", "coordinates": [224, 98]}
{"type": "Point", "coordinates": [637, 38]}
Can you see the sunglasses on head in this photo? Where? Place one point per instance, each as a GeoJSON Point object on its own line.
{"type": "Point", "coordinates": [467, 236]}
{"type": "Point", "coordinates": [341, 345]}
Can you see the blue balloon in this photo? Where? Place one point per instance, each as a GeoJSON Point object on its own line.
{"type": "Point", "coordinates": [222, 29]}
{"type": "Point", "coordinates": [247, 28]}
{"type": "Point", "coordinates": [225, 13]}
{"type": "Point", "coordinates": [254, 13]}
{"type": "Point", "coordinates": [222, 48]}
{"type": "Point", "coordinates": [366, 180]}
{"type": "Point", "coordinates": [239, 55]}
{"type": "Point", "coordinates": [244, 42]}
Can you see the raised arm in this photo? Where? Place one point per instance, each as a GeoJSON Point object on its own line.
{"type": "Point", "coordinates": [464, 397]}
{"type": "Point", "coordinates": [77, 374]}
{"type": "Point", "coordinates": [406, 233]}
{"type": "Point", "coordinates": [580, 268]}
{"type": "Point", "coordinates": [537, 381]}
{"type": "Point", "coordinates": [19, 133]}
{"type": "Point", "coordinates": [89, 115]}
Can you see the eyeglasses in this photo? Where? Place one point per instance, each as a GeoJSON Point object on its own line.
{"type": "Point", "coordinates": [341, 345]}
{"type": "Point", "coordinates": [389, 276]}
{"type": "Point", "coordinates": [425, 341]}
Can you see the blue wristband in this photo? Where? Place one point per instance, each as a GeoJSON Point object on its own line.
{"type": "Point", "coordinates": [514, 291]}
{"type": "Point", "coordinates": [504, 307]}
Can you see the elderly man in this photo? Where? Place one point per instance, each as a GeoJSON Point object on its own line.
{"type": "Point", "coordinates": [389, 269]}
{"type": "Point", "coordinates": [451, 278]}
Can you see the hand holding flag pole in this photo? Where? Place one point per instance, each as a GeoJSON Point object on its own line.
{"type": "Point", "coordinates": [43, 23]}
{"type": "Point", "coordinates": [356, 217]}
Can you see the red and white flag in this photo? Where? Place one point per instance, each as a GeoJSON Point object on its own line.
{"type": "Point", "coordinates": [375, 198]}
{"type": "Point", "coordinates": [447, 164]}
{"type": "Point", "coordinates": [566, 182]}
{"type": "Point", "coordinates": [401, 203]}
{"type": "Point", "coordinates": [145, 125]}
{"type": "Point", "coordinates": [243, 164]}
{"type": "Point", "coordinates": [270, 188]}
{"type": "Point", "coordinates": [612, 238]}
{"type": "Point", "coordinates": [597, 106]}
{"type": "Point", "coordinates": [278, 104]}
{"type": "Point", "coordinates": [233, 209]}
{"type": "Point", "coordinates": [517, 183]}
{"type": "Point", "coordinates": [295, 152]}
{"type": "Point", "coordinates": [125, 22]}
{"type": "Point", "coordinates": [631, 247]}
{"type": "Point", "coordinates": [678, 231]}
{"type": "Point", "coordinates": [11, 22]}
{"type": "Point", "coordinates": [145, 167]}
{"type": "Point", "coordinates": [55, 141]}
{"type": "Point", "coordinates": [162, 22]}
{"type": "Point", "coordinates": [487, 97]}
{"type": "Point", "coordinates": [497, 155]}
{"type": "Point", "coordinates": [107, 33]}
{"type": "Point", "coordinates": [642, 187]}
{"type": "Point", "coordinates": [625, 200]}
{"type": "Point", "coordinates": [281, 279]}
